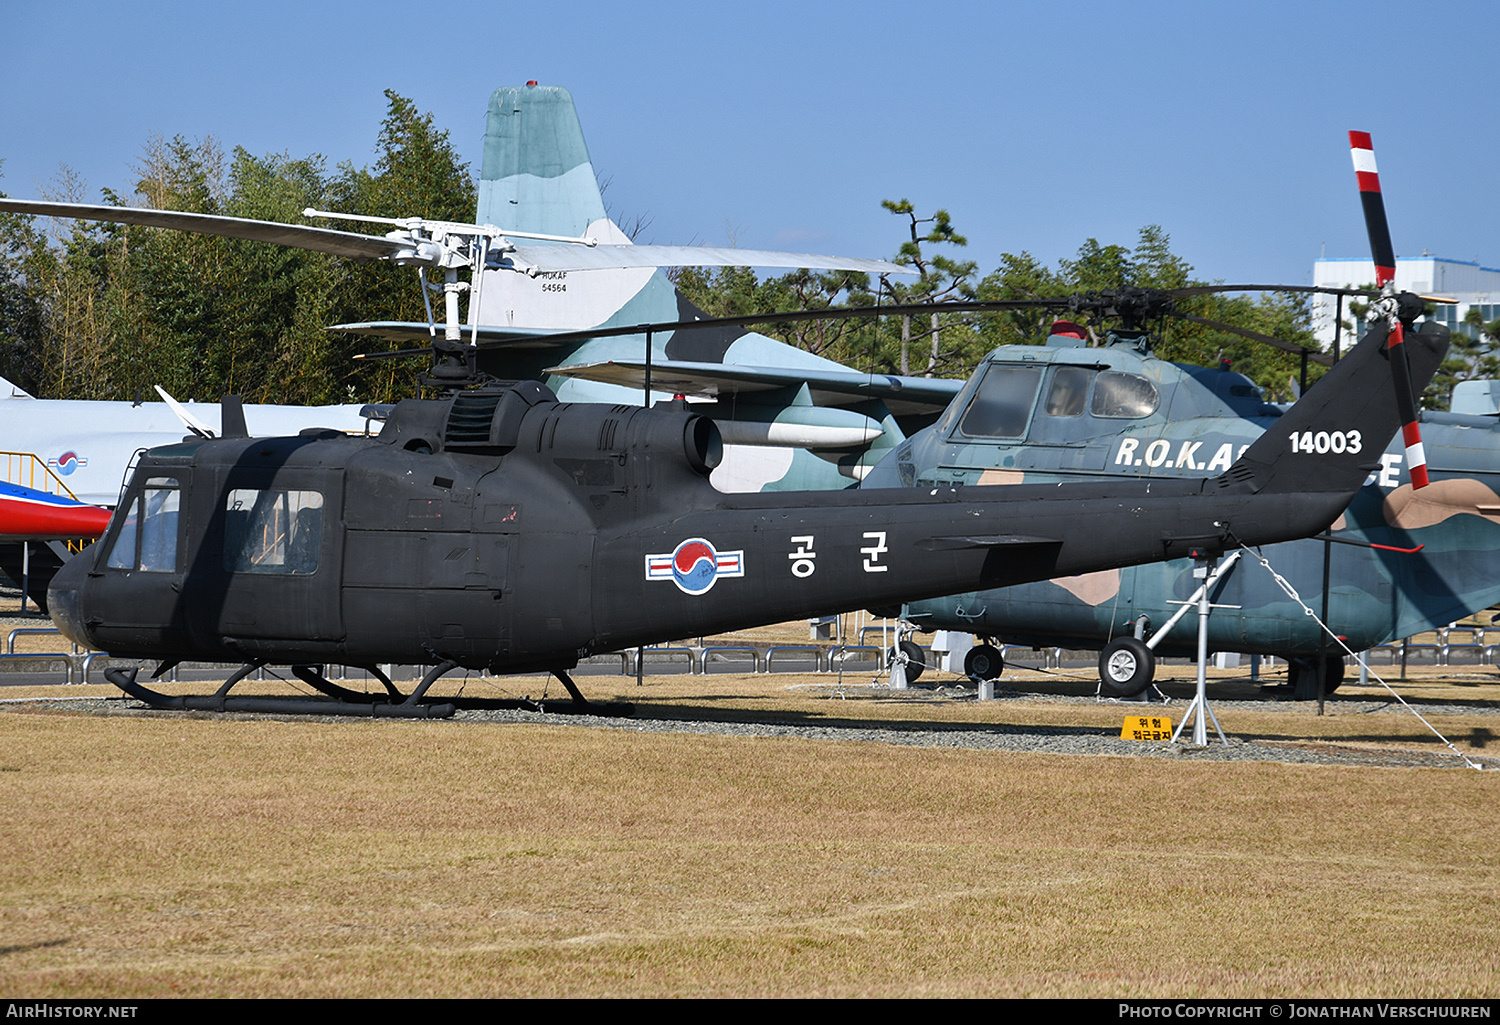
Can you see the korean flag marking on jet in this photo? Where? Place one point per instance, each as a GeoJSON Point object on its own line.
{"type": "Point", "coordinates": [66, 463]}
{"type": "Point", "coordinates": [695, 565]}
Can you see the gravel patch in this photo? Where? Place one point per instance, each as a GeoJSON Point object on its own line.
{"type": "Point", "coordinates": [1051, 739]}
{"type": "Point", "coordinates": [1069, 740]}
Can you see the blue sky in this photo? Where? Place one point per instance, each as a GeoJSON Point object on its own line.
{"type": "Point", "coordinates": [783, 125]}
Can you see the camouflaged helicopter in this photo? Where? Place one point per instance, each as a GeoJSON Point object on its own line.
{"type": "Point", "coordinates": [1414, 551]}
{"type": "Point", "coordinates": [1401, 560]}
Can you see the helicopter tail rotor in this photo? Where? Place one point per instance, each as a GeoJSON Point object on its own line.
{"type": "Point", "coordinates": [1363, 152]}
{"type": "Point", "coordinates": [1389, 306]}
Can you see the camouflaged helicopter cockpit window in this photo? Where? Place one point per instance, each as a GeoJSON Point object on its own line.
{"type": "Point", "coordinates": [1119, 396]}
{"type": "Point", "coordinates": [1069, 387]}
{"type": "Point", "coordinates": [1002, 405]}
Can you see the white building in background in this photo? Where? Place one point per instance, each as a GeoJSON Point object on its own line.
{"type": "Point", "coordinates": [1469, 283]}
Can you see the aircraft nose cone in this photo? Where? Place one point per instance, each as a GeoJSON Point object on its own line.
{"type": "Point", "coordinates": [63, 600]}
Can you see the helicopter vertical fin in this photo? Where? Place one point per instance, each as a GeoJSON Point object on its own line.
{"type": "Point", "coordinates": [1332, 438]}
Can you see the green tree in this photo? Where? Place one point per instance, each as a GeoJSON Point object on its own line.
{"type": "Point", "coordinates": [1019, 277]}
{"type": "Point", "coordinates": [21, 311]}
{"type": "Point", "coordinates": [883, 345]}
{"type": "Point", "coordinates": [938, 278]}
{"type": "Point", "coordinates": [68, 272]}
{"type": "Point", "coordinates": [1097, 268]}
{"type": "Point", "coordinates": [1283, 315]}
{"type": "Point", "coordinates": [737, 291]}
{"type": "Point", "coordinates": [955, 343]}
{"type": "Point", "coordinates": [280, 348]}
{"type": "Point", "coordinates": [1472, 355]}
{"type": "Point", "coordinates": [172, 301]}
{"type": "Point", "coordinates": [107, 311]}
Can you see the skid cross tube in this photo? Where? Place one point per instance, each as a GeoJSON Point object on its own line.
{"type": "Point", "coordinates": [222, 702]}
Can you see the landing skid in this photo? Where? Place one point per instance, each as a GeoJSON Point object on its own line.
{"type": "Point", "coordinates": [345, 702]}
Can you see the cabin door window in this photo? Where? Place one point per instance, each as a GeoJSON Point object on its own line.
{"type": "Point", "coordinates": [273, 531]}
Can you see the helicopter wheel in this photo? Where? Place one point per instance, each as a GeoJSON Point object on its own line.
{"type": "Point", "coordinates": [984, 662]}
{"type": "Point", "coordinates": [916, 659]}
{"type": "Point", "coordinates": [1303, 676]}
{"type": "Point", "coordinates": [1126, 667]}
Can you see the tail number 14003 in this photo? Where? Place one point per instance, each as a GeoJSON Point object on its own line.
{"type": "Point", "coordinates": [1327, 441]}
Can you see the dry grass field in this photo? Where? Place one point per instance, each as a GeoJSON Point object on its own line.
{"type": "Point", "coordinates": [197, 856]}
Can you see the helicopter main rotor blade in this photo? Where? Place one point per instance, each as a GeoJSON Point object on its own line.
{"type": "Point", "coordinates": [1059, 304]}
{"type": "Point", "coordinates": [298, 236]}
{"type": "Point", "coordinates": [1362, 151]}
{"type": "Point", "coordinates": [554, 339]}
{"type": "Point", "coordinates": [1190, 290]}
{"type": "Point", "coordinates": [1313, 355]}
{"type": "Point", "coordinates": [829, 313]}
{"type": "Point", "coordinates": [550, 258]}
{"type": "Point", "coordinates": [533, 258]}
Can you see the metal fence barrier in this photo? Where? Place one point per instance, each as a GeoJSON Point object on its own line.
{"type": "Point", "coordinates": [668, 654]}
{"type": "Point", "coordinates": [1453, 647]}
{"type": "Point", "coordinates": [786, 650]}
{"type": "Point", "coordinates": [727, 654]}
{"type": "Point", "coordinates": [59, 657]}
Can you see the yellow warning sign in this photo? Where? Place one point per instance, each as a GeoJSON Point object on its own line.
{"type": "Point", "coordinates": [1147, 727]}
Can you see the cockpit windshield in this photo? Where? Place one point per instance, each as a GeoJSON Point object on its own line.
{"type": "Point", "coordinates": [147, 539]}
{"type": "Point", "coordinates": [1002, 406]}
{"type": "Point", "coordinates": [1069, 387]}
{"type": "Point", "coordinates": [998, 403]}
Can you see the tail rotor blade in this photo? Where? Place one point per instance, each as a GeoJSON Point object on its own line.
{"type": "Point", "coordinates": [1416, 456]}
{"type": "Point", "coordinates": [1362, 150]}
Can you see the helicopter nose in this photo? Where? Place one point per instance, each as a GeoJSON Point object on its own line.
{"type": "Point", "coordinates": [63, 603]}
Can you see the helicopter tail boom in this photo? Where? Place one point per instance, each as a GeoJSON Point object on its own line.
{"type": "Point", "coordinates": [795, 554]}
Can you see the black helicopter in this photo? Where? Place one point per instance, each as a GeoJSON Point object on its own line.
{"type": "Point", "coordinates": [499, 529]}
